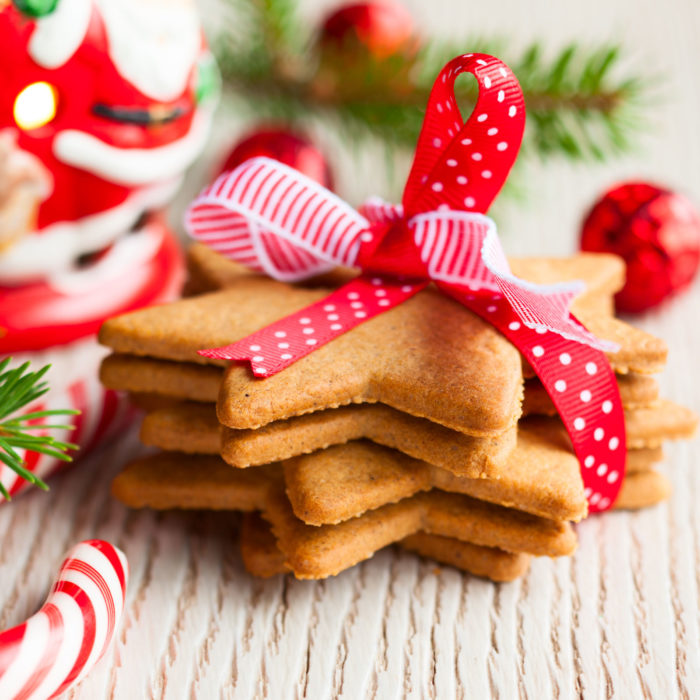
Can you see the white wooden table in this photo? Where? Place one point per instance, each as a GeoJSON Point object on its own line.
{"type": "Point", "coordinates": [619, 619]}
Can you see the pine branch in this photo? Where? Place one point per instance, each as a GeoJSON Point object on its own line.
{"type": "Point", "coordinates": [578, 106]}
{"type": "Point", "coordinates": [19, 388]}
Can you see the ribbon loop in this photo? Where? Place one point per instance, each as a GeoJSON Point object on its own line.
{"type": "Point", "coordinates": [461, 248]}
{"type": "Point", "coordinates": [464, 165]}
{"type": "Point", "coordinates": [277, 221]}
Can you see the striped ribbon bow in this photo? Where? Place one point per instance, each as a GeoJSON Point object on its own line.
{"type": "Point", "coordinates": [279, 222]}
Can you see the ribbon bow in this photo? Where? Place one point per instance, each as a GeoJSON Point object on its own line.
{"type": "Point", "coordinates": [279, 222]}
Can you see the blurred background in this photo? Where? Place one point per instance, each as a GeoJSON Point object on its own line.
{"type": "Point", "coordinates": [657, 47]}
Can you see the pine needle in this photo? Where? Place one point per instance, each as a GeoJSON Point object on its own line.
{"type": "Point", "coordinates": [20, 387]}
{"type": "Point", "coordinates": [581, 105]}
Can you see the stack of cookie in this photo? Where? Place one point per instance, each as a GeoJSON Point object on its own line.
{"type": "Point", "coordinates": [422, 427]}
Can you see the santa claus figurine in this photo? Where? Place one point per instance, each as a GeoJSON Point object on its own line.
{"type": "Point", "coordinates": [113, 101]}
{"type": "Point", "coordinates": [103, 106]}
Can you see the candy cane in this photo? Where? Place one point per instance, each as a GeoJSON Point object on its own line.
{"type": "Point", "coordinates": [55, 648]}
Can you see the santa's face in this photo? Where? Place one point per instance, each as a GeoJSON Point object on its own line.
{"type": "Point", "coordinates": [108, 96]}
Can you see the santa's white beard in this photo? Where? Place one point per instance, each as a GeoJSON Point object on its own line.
{"type": "Point", "coordinates": [154, 44]}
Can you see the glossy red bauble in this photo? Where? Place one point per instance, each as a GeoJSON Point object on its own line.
{"type": "Point", "coordinates": [656, 232]}
{"type": "Point", "coordinates": [289, 148]}
{"type": "Point", "coordinates": [383, 27]}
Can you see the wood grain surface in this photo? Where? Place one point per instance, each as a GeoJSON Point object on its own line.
{"type": "Point", "coordinates": [619, 619]}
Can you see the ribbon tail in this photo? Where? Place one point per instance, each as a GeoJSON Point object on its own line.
{"type": "Point", "coordinates": [281, 344]}
{"type": "Point", "coordinates": [582, 386]}
{"type": "Point", "coordinates": [539, 306]}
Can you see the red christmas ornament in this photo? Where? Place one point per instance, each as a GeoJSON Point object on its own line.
{"type": "Point", "coordinates": [383, 27]}
{"type": "Point", "coordinates": [365, 49]}
{"type": "Point", "coordinates": [656, 232]}
{"type": "Point", "coordinates": [289, 148]}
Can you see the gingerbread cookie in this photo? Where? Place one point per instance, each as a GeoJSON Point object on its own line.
{"type": "Point", "coordinates": [193, 382]}
{"type": "Point", "coordinates": [664, 420]}
{"type": "Point", "coordinates": [342, 482]}
{"type": "Point", "coordinates": [172, 480]}
{"type": "Point", "coordinates": [486, 562]}
{"type": "Point", "coordinates": [186, 427]}
{"type": "Point", "coordinates": [318, 552]}
{"type": "Point", "coordinates": [642, 490]}
{"type": "Point", "coordinates": [262, 557]}
{"type": "Point", "coordinates": [643, 458]}
{"type": "Point", "coordinates": [173, 428]}
{"type": "Point", "coordinates": [355, 367]}
{"type": "Point", "coordinates": [480, 395]}
{"type": "Point", "coordinates": [603, 274]}
{"type": "Point", "coordinates": [144, 375]}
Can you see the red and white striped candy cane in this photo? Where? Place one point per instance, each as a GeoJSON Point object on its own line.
{"type": "Point", "coordinates": [55, 648]}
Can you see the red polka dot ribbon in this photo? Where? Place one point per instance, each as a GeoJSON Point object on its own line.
{"type": "Point", "coordinates": [279, 222]}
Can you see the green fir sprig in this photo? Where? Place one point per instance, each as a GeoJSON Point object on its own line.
{"type": "Point", "coordinates": [20, 387]}
{"type": "Point", "coordinates": [581, 104]}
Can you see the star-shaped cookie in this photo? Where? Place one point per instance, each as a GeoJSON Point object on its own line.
{"type": "Point", "coordinates": [429, 357]}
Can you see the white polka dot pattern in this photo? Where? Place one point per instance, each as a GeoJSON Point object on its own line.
{"type": "Point", "coordinates": [588, 402]}
{"type": "Point", "coordinates": [314, 326]}
{"type": "Point", "coordinates": [491, 135]}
